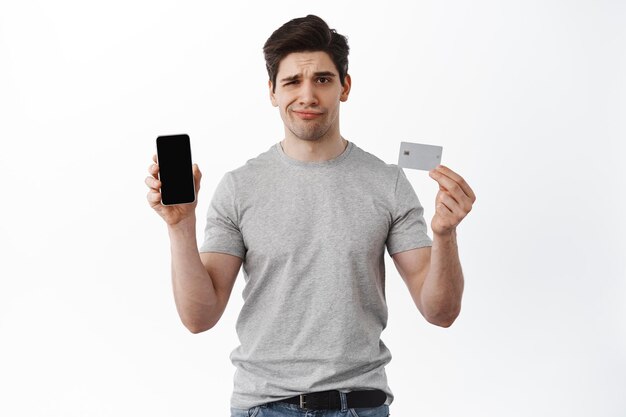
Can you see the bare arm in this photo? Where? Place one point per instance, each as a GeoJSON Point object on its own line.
{"type": "Point", "coordinates": [434, 276]}
{"type": "Point", "coordinates": [443, 288]}
{"type": "Point", "coordinates": [202, 282]}
{"type": "Point", "coordinates": [194, 293]}
{"type": "Point", "coordinates": [434, 279]}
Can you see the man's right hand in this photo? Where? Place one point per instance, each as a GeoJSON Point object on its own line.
{"type": "Point", "coordinates": [175, 213]}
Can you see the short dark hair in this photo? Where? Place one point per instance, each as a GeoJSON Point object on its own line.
{"type": "Point", "coordinates": [305, 34]}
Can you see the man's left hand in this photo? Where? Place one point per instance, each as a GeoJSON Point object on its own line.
{"type": "Point", "coordinates": [454, 200]}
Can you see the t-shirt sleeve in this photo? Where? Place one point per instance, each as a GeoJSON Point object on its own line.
{"type": "Point", "coordinates": [222, 233]}
{"type": "Point", "coordinates": [408, 228]}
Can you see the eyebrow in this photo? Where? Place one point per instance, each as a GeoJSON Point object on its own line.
{"type": "Point", "coordinates": [316, 74]}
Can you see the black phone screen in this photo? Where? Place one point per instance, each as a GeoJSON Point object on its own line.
{"type": "Point", "coordinates": [175, 170]}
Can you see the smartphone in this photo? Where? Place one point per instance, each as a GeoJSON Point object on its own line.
{"type": "Point", "coordinates": [175, 170]}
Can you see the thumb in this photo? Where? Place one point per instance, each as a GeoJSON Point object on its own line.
{"type": "Point", "coordinates": [197, 175]}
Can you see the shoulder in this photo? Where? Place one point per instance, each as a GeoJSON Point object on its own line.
{"type": "Point", "coordinates": [373, 165]}
{"type": "Point", "coordinates": [254, 169]}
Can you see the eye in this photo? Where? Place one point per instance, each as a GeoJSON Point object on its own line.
{"type": "Point", "coordinates": [323, 80]}
{"type": "Point", "coordinates": [294, 82]}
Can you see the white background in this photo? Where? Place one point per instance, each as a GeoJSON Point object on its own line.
{"type": "Point", "coordinates": [526, 97]}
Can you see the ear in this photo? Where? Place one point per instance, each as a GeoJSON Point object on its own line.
{"type": "Point", "coordinates": [347, 83]}
{"type": "Point", "coordinates": [272, 95]}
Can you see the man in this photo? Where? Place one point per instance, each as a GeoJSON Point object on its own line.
{"type": "Point", "coordinates": [310, 219]}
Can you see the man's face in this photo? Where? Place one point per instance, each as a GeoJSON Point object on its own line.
{"type": "Point", "coordinates": [308, 92]}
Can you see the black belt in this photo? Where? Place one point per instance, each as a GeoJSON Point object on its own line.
{"type": "Point", "coordinates": [327, 400]}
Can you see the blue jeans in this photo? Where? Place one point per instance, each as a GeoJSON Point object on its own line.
{"type": "Point", "coordinates": [293, 410]}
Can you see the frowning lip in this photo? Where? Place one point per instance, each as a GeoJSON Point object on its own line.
{"type": "Point", "coordinates": [307, 114]}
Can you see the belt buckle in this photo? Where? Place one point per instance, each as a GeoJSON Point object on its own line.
{"type": "Point", "coordinates": [302, 401]}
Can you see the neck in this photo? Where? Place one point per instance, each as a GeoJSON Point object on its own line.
{"type": "Point", "coordinates": [318, 150]}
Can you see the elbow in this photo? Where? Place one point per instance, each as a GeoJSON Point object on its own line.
{"type": "Point", "coordinates": [442, 322]}
{"type": "Point", "coordinates": [443, 318]}
{"type": "Point", "coordinates": [196, 327]}
{"type": "Point", "coordinates": [196, 330]}
{"type": "Point", "coordinates": [196, 322]}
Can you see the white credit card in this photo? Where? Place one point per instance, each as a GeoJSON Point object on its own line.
{"type": "Point", "coordinates": [419, 156]}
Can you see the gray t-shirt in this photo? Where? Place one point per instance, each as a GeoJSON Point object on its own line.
{"type": "Point", "coordinates": [312, 237]}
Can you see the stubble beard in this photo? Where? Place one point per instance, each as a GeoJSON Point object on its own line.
{"type": "Point", "coordinates": [309, 133]}
{"type": "Point", "coordinates": [309, 130]}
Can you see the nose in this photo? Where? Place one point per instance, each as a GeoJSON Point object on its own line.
{"type": "Point", "coordinates": [307, 94]}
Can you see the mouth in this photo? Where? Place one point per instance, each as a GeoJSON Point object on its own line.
{"type": "Point", "coordinates": [307, 115]}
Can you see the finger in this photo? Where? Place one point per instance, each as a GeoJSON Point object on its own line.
{"type": "Point", "coordinates": [459, 180]}
{"type": "Point", "coordinates": [452, 205]}
{"type": "Point", "coordinates": [154, 158]}
{"type": "Point", "coordinates": [443, 209]}
{"type": "Point", "coordinates": [153, 183]}
{"type": "Point", "coordinates": [447, 184]}
{"type": "Point", "coordinates": [464, 206]}
{"type": "Point", "coordinates": [153, 197]}
{"type": "Point", "coordinates": [451, 186]}
{"type": "Point", "coordinates": [196, 170]}
{"type": "Point", "coordinates": [154, 170]}
{"type": "Point", "coordinates": [467, 190]}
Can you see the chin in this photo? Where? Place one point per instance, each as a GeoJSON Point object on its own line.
{"type": "Point", "coordinates": [308, 138]}
{"type": "Point", "coordinates": [309, 135]}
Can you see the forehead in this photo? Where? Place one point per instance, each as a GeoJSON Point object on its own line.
{"type": "Point", "coordinates": [304, 62]}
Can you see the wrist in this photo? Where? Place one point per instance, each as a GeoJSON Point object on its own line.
{"type": "Point", "coordinates": [445, 236]}
{"type": "Point", "coordinates": [183, 226]}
